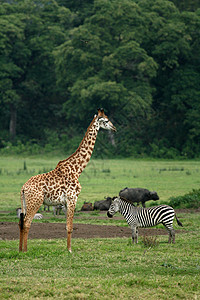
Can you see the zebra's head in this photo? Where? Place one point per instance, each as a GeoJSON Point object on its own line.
{"type": "Point", "coordinates": [114, 207]}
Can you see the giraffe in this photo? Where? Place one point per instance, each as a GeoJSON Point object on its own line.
{"type": "Point", "coordinates": [60, 186]}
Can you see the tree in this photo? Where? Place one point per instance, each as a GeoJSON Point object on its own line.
{"type": "Point", "coordinates": [137, 59]}
{"type": "Point", "coordinates": [190, 5]}
{"type": "Point", "coordinates": [177, 89]}
{"type": "Point", "coordinates": [30, 31]}
{"type": "Point", "coordinates": [102, 63]}
{"type": "Point", "coordinates": [13, 60]}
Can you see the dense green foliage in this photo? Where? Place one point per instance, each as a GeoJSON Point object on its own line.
{"type": "Point", "coordinates": [189, 200]}
{"type": "Point", "coordinates": [61, 60]}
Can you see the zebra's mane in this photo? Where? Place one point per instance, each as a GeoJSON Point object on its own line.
{"type": "Point", "coordinates": [126, 200]}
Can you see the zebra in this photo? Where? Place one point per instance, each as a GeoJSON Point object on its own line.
{"type": "Point", "coordinates": [144, 217]}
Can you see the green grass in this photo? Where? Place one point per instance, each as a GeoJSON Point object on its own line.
{"type": "Point", "coordinates": [103, 178]}
{"type": "Point", "coordinates": [102, 268]}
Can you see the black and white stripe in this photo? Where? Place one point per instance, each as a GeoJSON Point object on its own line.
{"type": "Point", "coordinates": [144, 217]}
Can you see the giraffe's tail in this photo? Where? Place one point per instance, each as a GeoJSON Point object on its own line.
{"type": "Point", "coordinates": [23, 213]}
{"type": "Point", "coordinates": [21, 222]}
{"type": "Point", "coordinates": [23, 203]}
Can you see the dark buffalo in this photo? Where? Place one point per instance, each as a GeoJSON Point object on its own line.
{"type": "Point", "coordinates": [138, 195]}
{"type": "Point", "coordinates": [87, 206]}
{"type": "Point", "coordinates": [103, 204]}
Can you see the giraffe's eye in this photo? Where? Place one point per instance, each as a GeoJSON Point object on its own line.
{"type": "Point", "coordinates": [103, 120]}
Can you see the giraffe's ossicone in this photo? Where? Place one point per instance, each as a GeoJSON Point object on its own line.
{"type": "Point", "coordinates": [61, 185]}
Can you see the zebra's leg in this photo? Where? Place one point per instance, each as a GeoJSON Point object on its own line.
{"type": "Point", "coordinates": [134, 234]}
{"type": "Point", "coordinates": [171, 232]}
{"type": "Point", "coordinates": [170, 237]}
{"type": "Point", "coordinates": [173, 235]}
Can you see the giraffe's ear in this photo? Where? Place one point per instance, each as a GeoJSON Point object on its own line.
{"type": "Point", "coordinates": [100, 111]}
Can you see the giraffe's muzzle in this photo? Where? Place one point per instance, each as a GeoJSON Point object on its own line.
{"type": "Point", "coordinates": [113, 128]}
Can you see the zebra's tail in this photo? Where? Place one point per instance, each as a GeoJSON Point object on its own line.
{"type": "Point", "coordinates": [178, 222]}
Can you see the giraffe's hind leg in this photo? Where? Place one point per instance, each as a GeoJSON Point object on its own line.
{"type": "Point", "coordinates": [21, 232]}
{"type": "Point", "coordinates": [26, 231]}
{"type": "Point", "coordinates": [30, 213]}
{"type": "Point", "coordinates": [21, 239]}
{"type": "Point", "coordinates": [27, 224]}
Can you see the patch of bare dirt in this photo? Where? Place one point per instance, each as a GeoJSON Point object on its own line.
{"type": "Point", "coordinates": [187, 210]}
{"type": "Point", "coordinates": [10, 231]}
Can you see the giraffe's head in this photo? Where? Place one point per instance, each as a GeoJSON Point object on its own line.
{"type": "Point", "coordinates": [103, 121]}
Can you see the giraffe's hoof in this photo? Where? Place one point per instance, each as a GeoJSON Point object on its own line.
{"type": "Point", "coordinates": [70, 250]}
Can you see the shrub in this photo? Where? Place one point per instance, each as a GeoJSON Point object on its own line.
{"type": "Point", "coordinates": [161, 151]}
{"type": "Point", "coordinates": [149, 241]}
{"type": "Point", "coordinates": [190, 200]}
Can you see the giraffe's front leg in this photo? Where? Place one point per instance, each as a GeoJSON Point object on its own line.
{"type": "Point", "coordinates": [70, 216]}
{"type": "Point", "coordinates": [72, 197]}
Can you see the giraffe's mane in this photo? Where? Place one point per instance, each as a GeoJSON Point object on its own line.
{"type": "Point", "coordinates": [65, 160]}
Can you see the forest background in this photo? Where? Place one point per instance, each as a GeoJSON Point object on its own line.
{"type": "Point", "coordinates": [138, 59]}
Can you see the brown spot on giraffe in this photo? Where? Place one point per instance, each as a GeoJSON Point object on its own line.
{"type": "Point", "coordinates": [61, 185]}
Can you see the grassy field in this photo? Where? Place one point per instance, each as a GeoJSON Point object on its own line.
{"type": "Point", "coordinates": [103, 177]}
{"type": "Point", "coordinates": [103, 268]}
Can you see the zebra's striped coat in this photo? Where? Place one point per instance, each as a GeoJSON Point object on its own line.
{"type": "Point", "coordinates": [145, 217]}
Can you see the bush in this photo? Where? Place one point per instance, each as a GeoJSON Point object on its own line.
{"type": "Point", "coordinates": [149, 241]}
{"type": "Point", "coordinates": [190, 200]}
{"type": "Point", "coordinates": [31, 147]}
{"type": "Point", "coordinates": [162, 151]}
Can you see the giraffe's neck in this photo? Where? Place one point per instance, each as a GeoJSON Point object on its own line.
{"type": "Point", "coordinates": [77, 162]}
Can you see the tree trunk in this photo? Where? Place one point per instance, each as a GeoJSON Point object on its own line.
{"type": "Point", "coordinates": [13, 121]}
{"type": "Point", "coordinates": [111, 138]}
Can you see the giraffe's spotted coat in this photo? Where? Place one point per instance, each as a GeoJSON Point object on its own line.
{"type": "Point", "coordinates": [61, 185]}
